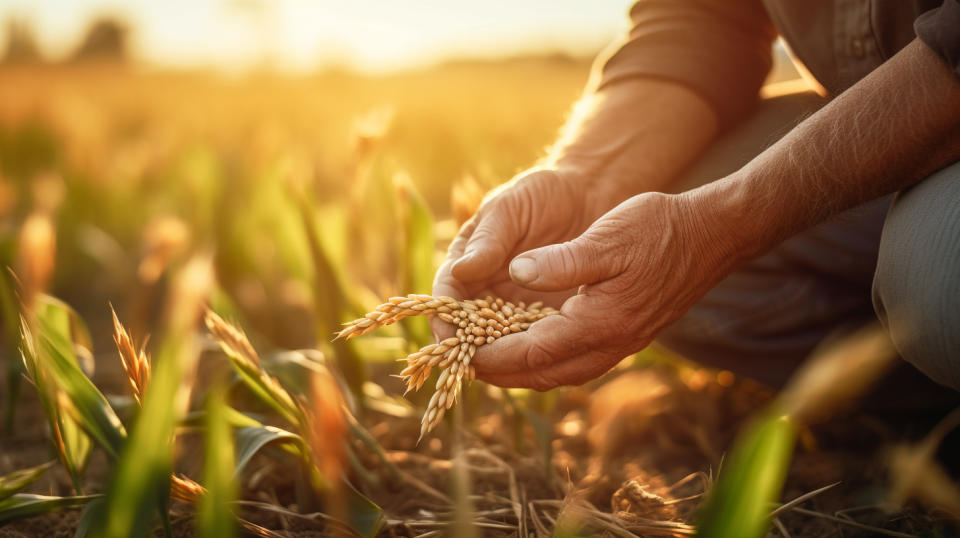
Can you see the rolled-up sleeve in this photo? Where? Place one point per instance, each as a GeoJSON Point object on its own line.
{"type": "Point", "coordinates": [720, 49]}
{"type": "Point", "coordinates": [939, 29]}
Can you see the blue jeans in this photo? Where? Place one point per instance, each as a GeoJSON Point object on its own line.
{"type": "Point", "coordinates": [896, 258]}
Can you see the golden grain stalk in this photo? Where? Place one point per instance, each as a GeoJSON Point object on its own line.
{"type": "Point", "coordinates": [136, 364]}
{"type": "Point", "coordinates": [478, 322]}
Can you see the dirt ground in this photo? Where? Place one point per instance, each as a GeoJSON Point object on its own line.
{"type": "Point", "coordinates": [636, 445]}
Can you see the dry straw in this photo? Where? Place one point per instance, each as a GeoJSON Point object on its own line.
{"type": "Point", "coordinates": [478, 322]}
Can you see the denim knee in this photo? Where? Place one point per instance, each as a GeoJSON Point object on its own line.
{"type": "Point", "coordinates": [916, 288]}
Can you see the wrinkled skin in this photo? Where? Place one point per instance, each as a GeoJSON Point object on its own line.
{"type": "Point", "coordinates": [535, 209]}
{"type": "Point", "coordinates": [619, 276]}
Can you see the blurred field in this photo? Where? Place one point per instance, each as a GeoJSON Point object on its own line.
{"type": "Point", "coordinates": [126, 127]}
{"type": "Point", "coordinates": [217, 153]}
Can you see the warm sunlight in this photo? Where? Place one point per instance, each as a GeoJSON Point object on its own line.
{"type": "Point", "coordinates": [508, 269]}
{"type": "Point", "coordinates": [302, 34]}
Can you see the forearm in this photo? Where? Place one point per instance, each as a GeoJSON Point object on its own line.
{"type": "Point", "coordinates": [887, 132]}
{"type": "Point", "coordinates": [634, 136]}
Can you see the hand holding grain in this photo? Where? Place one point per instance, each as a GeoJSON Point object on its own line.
{"type": "Point", "coordinates": [537, 208]}
{"type": "Point", "coordinates": [639, 267]}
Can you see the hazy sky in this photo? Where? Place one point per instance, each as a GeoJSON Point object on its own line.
{"type": "Point", "coordinates": [371, 35]}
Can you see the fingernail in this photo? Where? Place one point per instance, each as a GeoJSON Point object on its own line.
{"type": "Point", "coordinates": [524, 270]}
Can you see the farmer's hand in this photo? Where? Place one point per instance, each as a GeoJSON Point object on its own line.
{"type": "Point", "coordinates": [641, 266]}
{"type": "Point", "coordinates": [538, 208]}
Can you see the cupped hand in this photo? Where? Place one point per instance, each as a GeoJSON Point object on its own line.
{"type": "Point", "coordinates": [638, 268]}
{"type": "Point", "coordinates": [537, 208]}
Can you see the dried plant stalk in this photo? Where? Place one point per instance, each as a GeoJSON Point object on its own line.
{"type": "Point", "coordinates": [185, 489]}
{"type": "Point", "coordinates": [479, 322]}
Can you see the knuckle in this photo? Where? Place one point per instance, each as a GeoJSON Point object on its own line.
{"type": "Point", "coordinates": [564, 260]}
{"type": "Point", "coordinates": [542, 382]}
{"type": "Point", "coordinates": [537, 357]}
{"type": "Point", "coordinates": [488, 236]}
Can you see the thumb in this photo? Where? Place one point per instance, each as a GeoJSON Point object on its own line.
{"type": "Point", "coordinates": [488, 247]}
{"type": "Point", "coordinates": [565, 265]}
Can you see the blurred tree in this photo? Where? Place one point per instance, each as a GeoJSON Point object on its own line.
{"type": "Point", "coordinates": [106, 40]}
{"type": "Point", "coordinates": [21, 42]}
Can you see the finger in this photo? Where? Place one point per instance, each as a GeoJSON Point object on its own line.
{"type": "Point", "coordinates": [455, 250]}
{"type": "Point", "coordinates": [584, 260]}
{"type": "Point", "coordinates": [444, 285]}
{"type": "Point", "coordinates": [548, 341]}
{"type": "Point", "coordinates": [585, 323]}
{"type": "Point", "coordinates": [441, 330]}
{"type": "Point", "coordinates": [492, 241]}
{"type": "Point", "coordinates": [574, 371]}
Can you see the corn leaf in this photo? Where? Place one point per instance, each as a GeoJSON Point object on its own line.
{"type": "Point", "coordinates": [78, 396]}
{"type": "Point", "coordinates": [739, 505]}
{"type": "Point", "coordinates": [17, 480]}
{"type": "Point", "coordinates": [250, 440]}
{"type": "Point", "coordinates": [24, 505]}
{"type": "Point", "coordinates": [216, 519]}
{"type": "Point", "coordinates": [71, 403]}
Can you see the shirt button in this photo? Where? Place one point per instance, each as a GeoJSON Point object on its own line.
{"type": "Point", "coordinates": [856, 48]}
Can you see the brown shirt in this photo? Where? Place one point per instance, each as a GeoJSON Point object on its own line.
{"type": "Point", "coordinates": [722, 48]}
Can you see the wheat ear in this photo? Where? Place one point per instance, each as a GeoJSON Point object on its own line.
{"type": "Point", "coordinates": [478, 322]}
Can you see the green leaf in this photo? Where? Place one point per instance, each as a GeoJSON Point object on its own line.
{"type": "Point", "coordinates": [25, 505]}
{"type": "Point", "coordinates": [250, 440]}
{"type": "Point", "coordinates": [18, 480]}
{"type": "Point", "coordinates": [366, 517]}
{"type": "Point", "coordinates": [83, 402]}
{"type": "Point", "coordinates": [330, 301]}
{"type": "Point", "coordinates": [198, 419]}
{"type": "Point", "coordinates": [50, 360]}
{"type": "Point", "coordinates": [216, 519]}
{"type": "Point", "coordinates": [739, 505]}
{"type": "Point", "coordinates": [93, 512]}
{"type": "Point", "coordinates": [71, 325]}
{"type": "Point", "coordinates": [141, 479]}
